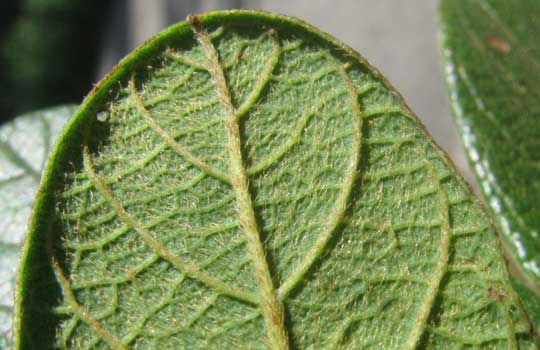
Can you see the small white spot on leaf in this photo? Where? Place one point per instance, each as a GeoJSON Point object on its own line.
{"type": "Point", "coordinates": [102, 116]}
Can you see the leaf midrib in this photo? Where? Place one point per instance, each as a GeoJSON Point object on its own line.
{"type": "Point", "coordinates": [271, 308]}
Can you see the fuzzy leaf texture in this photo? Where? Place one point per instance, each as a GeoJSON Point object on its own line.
{"type": "Point", "coordinates": [491, 50]}
{"type": "Point", "coordinates": [244, 181]}
{"type": "Point", "coordinates": [25, 144]}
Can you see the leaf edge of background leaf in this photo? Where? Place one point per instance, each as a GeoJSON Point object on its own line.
{"type": "Point", "coordinates": [522, 279]}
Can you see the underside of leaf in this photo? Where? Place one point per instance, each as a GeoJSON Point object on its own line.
{"type": "Point", "coordinates": [243, 181]}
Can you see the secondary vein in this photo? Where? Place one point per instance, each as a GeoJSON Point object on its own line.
{"type": "Point", "coordinates": [169, 140]}
{"type": "Point", "coordinates": [82, 313]}
{"type": "Point", "coordinates": [422, 316]}
{"type": "Point", "coordinates": [184, 266]}
{"type": "Point", "coordinates": [264, 78]}
{"type": "Point", "coordinates": [338, 211]}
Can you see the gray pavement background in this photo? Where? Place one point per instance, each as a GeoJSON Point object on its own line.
{"type": "Point", "coordinates": [399, 37]}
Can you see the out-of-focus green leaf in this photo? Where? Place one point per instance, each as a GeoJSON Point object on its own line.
{"type": "Point", "coordinates": [530, 300]}
{"type": "Point", "coordinates": [25, 144]}
{"type": "Point", "coordinates": [492, 59]}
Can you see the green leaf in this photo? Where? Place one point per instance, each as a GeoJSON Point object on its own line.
{"type": "Point", "coordinates": [25, 144]}
{"type": "Point", "coordinates": [491, 50]}
{"type": "Point", "coordinates": [531, 302]}
{"type": "Point", "coordinates": [244, 181]}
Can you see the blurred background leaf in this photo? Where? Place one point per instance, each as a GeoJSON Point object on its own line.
{"type": "Point", "coordinates": [491, 49]}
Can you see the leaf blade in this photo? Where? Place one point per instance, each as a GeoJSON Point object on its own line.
{"type": "Point", "coordinates": [355, 196]}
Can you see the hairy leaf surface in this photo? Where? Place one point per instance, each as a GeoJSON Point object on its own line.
{"type": "Point", "coordinates": [25, 144]}
{"type": "Point", "coordinates": [491, 50]}
{"type": "Point", "coordinates": [243, 181]}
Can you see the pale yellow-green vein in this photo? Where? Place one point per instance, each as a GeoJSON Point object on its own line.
{"type": "Point", "coordinates": [271, 307]}
{"type": "Point", "coordinates": [82, 313]}
{"type": "Point", "coordinates": [206, 168]}
{"type": "Point", "coordinates": [338, 211]}
{"type": "Point", "coordinates": [264, 77]}
{"type": "Point", "coordinates": [424, 311]}
{"type": "Point", "coordinates": [137, 329]}
{"type": "Point", "coordinates": [196, 316]}
{"type": "Point", "coordinates": [294, 138]}
{"type": "Point", "coordinates": [183, 266]}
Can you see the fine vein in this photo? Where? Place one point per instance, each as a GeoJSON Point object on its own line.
{"type": "Point", "coordinates": [208, 169]}
{"type": "Point", "coordinates": [294, 139]}
{"type": "Point", "coordinates": [185, 267]}
{"type": "Point", "coordinates": [338, 211]}
{"type": "Point", "coordinates": [422, 316]}
{"type": "Point", "coordinates": [82, 313]}
{"type": "Point", "coordinates": [264, 78]}
{"type": "Point", "coordinates": [271, 306]}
